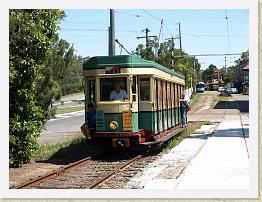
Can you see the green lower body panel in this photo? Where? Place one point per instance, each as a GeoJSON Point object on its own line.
{"type": "Point", "coordinates": [158, 121]}
{"type": "Point", "coordinates": [146, 120]}
{"type": "Point", "coordinates": [177, 116]}
{"type": "Point", "coordinates": [117, 117]}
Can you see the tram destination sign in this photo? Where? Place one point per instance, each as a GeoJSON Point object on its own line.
{"type": "Point", "coordinates": [112, 70]}
{"type": "Point", "coordinates": [127, 120]}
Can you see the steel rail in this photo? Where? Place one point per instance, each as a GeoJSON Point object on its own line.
{"type": "Point", "coordinates": [113, 173]}
{"type": "Point", "coordinates": [54, 174]}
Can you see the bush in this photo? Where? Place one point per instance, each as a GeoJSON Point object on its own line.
{"type": "Point", "coordinates": [31, 34]}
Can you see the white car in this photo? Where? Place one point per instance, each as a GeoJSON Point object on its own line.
{"type": "Point", "coordinates": [221, 89]}
{"type": "Point", "coordinates": [234, 90]}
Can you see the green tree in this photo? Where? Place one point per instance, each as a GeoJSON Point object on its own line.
{"type": "Point", "coordinates": [66, 67]}
{"type": "Point", "coordinates": [31, 33]}
{"type": "Point", "coordinates": [207, 73]}
{"type": "Point", "coordinates": [170, 57]}
{"type": "Point", "coordinates": [227, 74]}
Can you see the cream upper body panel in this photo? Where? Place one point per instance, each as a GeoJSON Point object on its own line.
{"type": "Point", "coordinates": [135, 71]}
{"type": "Point", "coordinates": [116, 106]}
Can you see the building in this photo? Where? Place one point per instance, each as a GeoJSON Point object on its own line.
{"type": "Point", "coordinates": [216, 74]}
{"type": "Point", "coordinates": [242, 77]}
{"type": "Point", "coordinates": [245, 84]}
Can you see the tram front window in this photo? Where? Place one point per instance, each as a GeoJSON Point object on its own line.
{"type": "Point", "coordinates": [113, 89]}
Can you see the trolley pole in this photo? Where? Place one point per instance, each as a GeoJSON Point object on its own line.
{"type": "Point", "coordinates": [112, 33]}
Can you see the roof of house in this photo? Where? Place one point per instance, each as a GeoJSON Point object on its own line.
{"type": "Point", "coordinates": [246, 68]}
{"type": "Point", "coordinates": [214, 82]}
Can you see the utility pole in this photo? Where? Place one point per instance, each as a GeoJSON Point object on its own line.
{"type": "Point", "coordinates": [172, 52]}
{"type": "Point", "coordinates": [112, 33]}
{"type": "Point", "coordinates": [226, 64]}
{"type": "Point", "coordinates": [147, 44]}
{"type": "Point", "coordinates": [193, 75]}
{"type": "Point", "coordinates": [147, 30]}
{"type": "Point", "coordinates": [180, 41]}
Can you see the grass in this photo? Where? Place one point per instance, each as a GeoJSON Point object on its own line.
{"type": "Point", "coordinates": [221, 97]}
{"type": "Point", "coordinates": [181, 136]}
{"type": "Point", "coordinates": [207, 123]}
{"type": "Point", "coordinates": [62, 110]}
{"type": "Point", "coordinates": [44, 152]}
{"type": "Point", "coordinates": [195, 100]}
{"type": "Point", "coordinates": [68, 96]}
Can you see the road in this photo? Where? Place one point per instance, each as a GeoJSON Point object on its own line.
{"type": "Point", "coordinates": [63, 126]}
{"type": "Point", "coordinates": [210, 111]}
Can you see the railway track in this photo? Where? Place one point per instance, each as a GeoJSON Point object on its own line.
{"type": "Point", "coordinates": [88, 173]}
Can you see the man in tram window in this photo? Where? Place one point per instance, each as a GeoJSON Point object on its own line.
{"type": "Point", "coordinates": [184, 106]}
{"type": "Point", "coordinates": [117, 93]}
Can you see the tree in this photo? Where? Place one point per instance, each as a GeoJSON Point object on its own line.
{"type": "Point", "coordinates": [179, 60]}
{"type": "Point", "coordinates": [207, 74]}
{"type": "Point", "coordinates": [66, 67]}
{"type": "Point", "coordinates": [31, 33]}
{"type": "Point", "coordinates": [227, 74]}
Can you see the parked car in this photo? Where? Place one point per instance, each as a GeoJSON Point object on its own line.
{"type": "Point", "coordinates": [227, 91]}
{"type": "Point", "coordinates": [234, 90]}
{"type": "Point", "coordinates": [221, 89]}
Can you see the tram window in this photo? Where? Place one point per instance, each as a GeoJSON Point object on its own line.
{"type": "Point", "coordinates": [107, 85]}
{"type": "Point", "coordinates": [145, 89]}
{"type": "Point", "coordinates": [91, 92]}
{"type": "Point", "coordinates": [134, 89]}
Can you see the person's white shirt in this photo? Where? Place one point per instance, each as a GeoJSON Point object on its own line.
{"type": "Point", "coordinates": [114, 95]}
{"type": "Point", "coordinates": [186, 97]}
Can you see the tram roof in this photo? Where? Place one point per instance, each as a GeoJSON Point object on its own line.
{"type": "Point", "coordinates": [100, 62]}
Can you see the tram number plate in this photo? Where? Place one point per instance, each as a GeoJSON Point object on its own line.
{"type": "Point", "coordinates": [120, 142]}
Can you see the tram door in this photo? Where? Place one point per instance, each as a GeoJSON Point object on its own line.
{"type": "Point", "coordinates": [134, 98]}
{"type": "Point", "coordinates": [145, 105]}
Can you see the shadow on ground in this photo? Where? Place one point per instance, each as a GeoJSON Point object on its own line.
{"type": "Point", "coordinates": [71, 154]}
{"type": "Point", "coordinates": [243, 106]}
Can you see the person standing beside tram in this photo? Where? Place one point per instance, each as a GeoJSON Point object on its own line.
{"type": "Point", "coordinates": [184, 107]}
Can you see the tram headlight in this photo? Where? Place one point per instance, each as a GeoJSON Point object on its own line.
{"type": "Point", "coordinates": [113, 125]}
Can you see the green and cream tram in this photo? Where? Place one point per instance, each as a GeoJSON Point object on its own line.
{"type": "Point", "coordinates": [148, 113]}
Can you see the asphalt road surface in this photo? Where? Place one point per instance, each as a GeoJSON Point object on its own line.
{"type": "Point", "coordinates": [214, 112]}
{"type": "Point", "coordinates": [62, 127]}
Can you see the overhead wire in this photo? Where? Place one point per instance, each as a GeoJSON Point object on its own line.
{"type": "Point", "coordinates": [158, 19]}
{"type": "Point", "coordinates": [154, 17]}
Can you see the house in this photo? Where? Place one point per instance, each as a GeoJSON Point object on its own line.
{"type": "Point", "coordinates": [242, 77]}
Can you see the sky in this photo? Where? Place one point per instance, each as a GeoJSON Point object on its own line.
{"type": "Point", "coordinates": [203, 31]}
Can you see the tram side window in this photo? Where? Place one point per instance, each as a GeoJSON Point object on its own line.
{"type": "Point", "coordinates": [145, 89]}
{"type": "Point", "coordinates": [91, 90]}
{"type": "Point", "coordinates": [107, 85]}
{"type": "Point", "coordinates": [134, 89]}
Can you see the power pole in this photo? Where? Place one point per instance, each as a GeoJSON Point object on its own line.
{"type": "Point", "coordinates": [112, 33]}
{"type": "Point", "coordinates": [147, 37]}
{"type": "Point", "coordinates": [226, 64]}
{"type": "Point", "coordinates": [180, 40]}
{"type": "Point", "coordinates": [147, 30]}
{"type": "Point", "coordinates": [172, 52]}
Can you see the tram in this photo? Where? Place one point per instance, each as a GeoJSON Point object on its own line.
{"type": "Point", "coordinates": [200, 87]}
{"type": "Point", "coordinates": [148, 111]}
